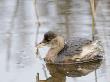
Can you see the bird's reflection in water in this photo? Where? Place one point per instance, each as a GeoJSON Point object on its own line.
{"type": "Point", "coordinates": [59, 72]}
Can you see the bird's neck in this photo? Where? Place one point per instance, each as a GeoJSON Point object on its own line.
{"type": "Point", "coordinates": [57, 45]}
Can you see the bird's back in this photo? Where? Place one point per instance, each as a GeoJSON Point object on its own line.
{"type": "Point", "coordinates": [72, 47]}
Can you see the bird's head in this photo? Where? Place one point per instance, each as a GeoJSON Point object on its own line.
{"type": "Point", "coordinates": [47, 40]}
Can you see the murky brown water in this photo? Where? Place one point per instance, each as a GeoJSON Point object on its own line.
{"type": "Point", "coordinates": [59, 72]}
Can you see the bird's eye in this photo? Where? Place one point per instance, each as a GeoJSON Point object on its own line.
{"type": "Point", "coordinates": [49, 39]}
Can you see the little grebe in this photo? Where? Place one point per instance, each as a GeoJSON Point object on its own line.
{"type": "Point", "coordinates": [74, 49]}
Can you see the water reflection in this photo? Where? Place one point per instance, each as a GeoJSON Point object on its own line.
{"type": "Point", "coordinates": [59, 72]}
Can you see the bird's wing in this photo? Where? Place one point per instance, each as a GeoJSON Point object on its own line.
{"type": "Point", "coordinates": [74, 46]}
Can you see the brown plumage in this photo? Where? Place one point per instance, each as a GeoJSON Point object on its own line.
{"type": "Point", "coordinates": [74, 49]}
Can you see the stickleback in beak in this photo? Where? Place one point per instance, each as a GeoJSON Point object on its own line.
{"type": "Point", "coordinates": [40, 45]}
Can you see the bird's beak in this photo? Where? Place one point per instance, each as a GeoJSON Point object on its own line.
{"type": "Point", "coordinates": [40, 45]}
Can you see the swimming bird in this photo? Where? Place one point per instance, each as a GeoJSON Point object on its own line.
{"type": "Point", "coordinates": [71, 50]}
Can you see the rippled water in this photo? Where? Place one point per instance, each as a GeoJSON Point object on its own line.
{"type": "Point", "coordinates": [68, 18]}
